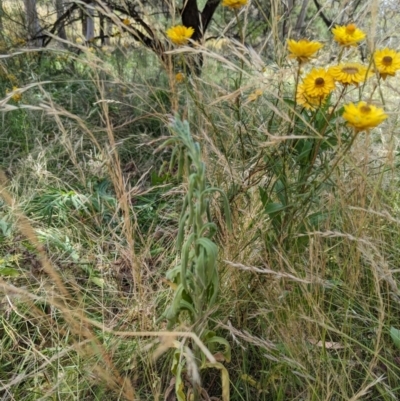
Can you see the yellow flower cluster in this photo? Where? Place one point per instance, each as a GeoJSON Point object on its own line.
{"type": "Point", "coordinates": [316, 86]}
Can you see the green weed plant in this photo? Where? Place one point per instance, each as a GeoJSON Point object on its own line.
{"type": "Point", "coordinates": [196, 277]}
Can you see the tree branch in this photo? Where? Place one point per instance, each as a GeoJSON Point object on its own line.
{"type": "Point", "coordinates": [208, 12]}
{"type": "Point", "coordinates": [191, 18]}
{"type": "Point", "coordinates": [321, 13]}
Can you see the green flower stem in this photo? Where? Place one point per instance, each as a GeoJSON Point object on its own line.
{"type": "Point", "coordinates": [292, 111]}
{"type": "Point", "coordinates": [239, 83]}
{"type": "Point", "coordinates": [319, 141]}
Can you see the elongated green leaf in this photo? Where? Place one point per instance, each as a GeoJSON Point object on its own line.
{"type": "Point", "coordinates": [201, 262]}
{"type": "Point", "coordinates": [271, 208]}
{"type": "Point", "coordinates": [188, 306]}
{"type": "Point", "coordinates": [97, 281]}
{"type": "Point", "coordinates": [226, 203]}
{"type": "Point", "coordinates": [279, 188]}
{"type": "Point", "coordinates": [395, 335]}
{"type": "Point", "coordinates": [177, 298]}
{"type": "Point", "coordinates": [176, 369]}
{"type": "Point", "coordinates": [263, 196]}
{"type": "Point", "coordinates": [222, 341]}
{"type": "Point", "coordinates": [210, 227]}
{"type": "Point", "coordinates": [209, 246]}
{"type": "Point", "coordinates": [185, 260]}
{"type": "Point", "coordinates": [9, 272]}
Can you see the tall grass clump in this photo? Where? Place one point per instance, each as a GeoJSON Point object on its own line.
{"type": "Point", "coordinates": [246, 250]}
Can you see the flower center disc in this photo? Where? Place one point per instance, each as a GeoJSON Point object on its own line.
{"type": "Point", "coordinates": [319, 82]}
{"type": "Point", "coordinates": [387, 60]}
{"type": "Point", "coordinates": [350, 70]}
{"type": "Point", "coordinates": [365, 109]}
{"type": "Point", "coordinates": [350, 29]}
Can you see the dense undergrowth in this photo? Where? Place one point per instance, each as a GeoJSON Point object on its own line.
{"type": "Point", "coordinates": [300, 297]}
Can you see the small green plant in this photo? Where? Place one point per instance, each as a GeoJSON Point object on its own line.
{"type": "Point", "coordinates": [195, 278]}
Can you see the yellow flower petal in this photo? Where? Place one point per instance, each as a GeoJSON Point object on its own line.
{"type": "Point", "coordinates": [363, 116]}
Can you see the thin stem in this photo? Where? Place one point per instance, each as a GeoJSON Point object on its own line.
{"type": "Point", "coordinates": [326, 126]}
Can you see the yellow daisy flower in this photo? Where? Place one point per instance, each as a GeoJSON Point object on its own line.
{"type": "Point", "coordinates": [310, 103]}
{"type": "Point", "coordinates": [180, 34]}
{"type": "Point", "coordinates": [387, 62]}
{"type": "Point", "coordinates": [16, 96]}
{"type": "Point", "coordinates": [348, 35]}
{"type": "Point", "coordinates": [363, 116]}
{"type": "Point", "coordinates": [350, 73]}
{"type": "Point", "coordinates": [234, 3]}
{"type": "Point", "coordinates": [179, 77]}
{"type": "Point", "coordinates": [318, 83]}
{"type": "Point", "coordinates": [303, 50]}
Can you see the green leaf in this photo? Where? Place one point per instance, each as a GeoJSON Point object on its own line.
{"type": "Point", "coordinates": [9, 272]}
{"type": "Point", "coordinates": [279, 188]}
{"type": "Point", "coordinates": [316, 219]}
{"type": "Point", "coordinates": [264, 196]}
{"type": "Point", "coordinates": [271, 208]}
{"type": "Point", "coordinates": [222, 341]}
{"type": "Point", "coordinates": [395, 334]}
{"type": "Point", "coordinates": [176, 369]}
{"type": "Point", "coordinates": [5, 228]}
{"type": "Point", "coordinates": [157, 179]}
{"type": "Point", "coordinates": [304, 147]}
{"type": "Point", "coordinates": [97, 281]}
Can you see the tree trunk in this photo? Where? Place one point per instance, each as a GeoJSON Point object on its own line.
{"type": "Point", "coordinates": [299, 28]}
{"type": "Point", "coordinates": [102, 29]}
{"type": "Point", "coordinates": [109, 28]}
{"type": "Point", "coordinates": [1, 18]}
{"type": "Point", "coordinates": [288, 7]}
{"type": "Point", "coordinates": [90, 22]}
{"type": "Point", "coordinates": [59, 4]}
{"type": "Point", "coordinates": [32, 22]}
